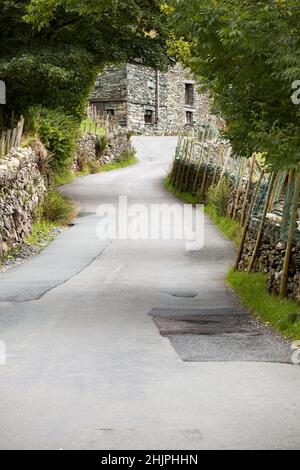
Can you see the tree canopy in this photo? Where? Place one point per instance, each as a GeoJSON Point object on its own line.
{"type": "Point", "coordinates": [52, 50]}
{"type": "Point", "coordinates": [247, 53]}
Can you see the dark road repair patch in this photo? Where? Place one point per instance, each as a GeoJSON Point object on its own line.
{"type": "Point", "coordinates": [220, 335]}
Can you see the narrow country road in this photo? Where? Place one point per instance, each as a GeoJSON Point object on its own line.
{"type": "Point", "coordinates": [92, 358]}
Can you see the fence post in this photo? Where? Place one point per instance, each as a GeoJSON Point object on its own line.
{"type": "Point", "coordinates": [7, 147]}
{"type": "Point", "coordinates": [247, 222]}
{"type": "Point", "coordinates": [287, 205]}
{"type": "Point", "coordinates": [219, 156]}
{"type": "Point", "coordinates": [2, 143]}
{"type": "Point", "coordinates": [248, 190]}
{"type": "Point", "coordinates": [189, 163]}
{"type": "Point", "coordinates": [182, 160]}
{"type": "Point", "coordinates": [262, 223]}
{"type": "Point", "coordinates": [185, 161]}
{"type": "Point", "coordinates": [200, 160]}
{"type": "Point", "coordinates": [293, 223]}
{"type": "Point", "coordinates": [239, 188]}
{"type": "Point", "coordinates": [205, 171]}
{"type": "Point", "coordinates": [14, 137]}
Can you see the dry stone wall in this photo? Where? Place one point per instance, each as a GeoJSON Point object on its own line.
{"type": "Point", "coordinates": [270, 260]}
{"type": "Point", "coordinates": [22, 188]}
{"type": "Point", "coordinates": [118, 145]}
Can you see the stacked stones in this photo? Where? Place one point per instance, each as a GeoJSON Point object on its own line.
{"type": "Point", "coordinates": [238, 205]}
{"type": "Point", "coordinates": [270, 260]}
{"type": "Point", "coordinates": [22, 187]}
{"type": "Point", "coordinates": [118, 145]}
{"type": "Point", "coordinates": [87, 146]}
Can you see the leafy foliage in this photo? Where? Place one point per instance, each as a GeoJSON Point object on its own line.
{"type": "Point", "coordinates": [58, 132]}
{"type": "Point", "coordinates": [56, 208]}
{"type": "Point", "coordinates": [58, 46]}
{"type": "Point", "coordinates": [247, 53]}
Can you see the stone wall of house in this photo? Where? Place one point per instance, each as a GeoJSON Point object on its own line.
{"type": "Point", "coordinates": [271, 251]}
{"type": "Point", "coordinates": [131, 91]}
{"type": "Point", "coordinates": [22, 188]}
{"type": "Point", "coordinates": [142, 96]}
{"type": "Point", "coordinates": [110, 93]}
{"type": "Point", "coordinates": [176, 79]}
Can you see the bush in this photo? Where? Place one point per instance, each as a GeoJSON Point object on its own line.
{"type": "Point", "coordinates": [58, 132]}
{"type": "Point", "coordinates": [218, 197]}
{"type": "Point", "coordinates": [56, 208]}
{"type": "Point", "coordinates": [102, 142]}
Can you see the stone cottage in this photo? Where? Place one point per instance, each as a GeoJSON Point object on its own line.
{"type": "Point", "coordinates": [148, 101]}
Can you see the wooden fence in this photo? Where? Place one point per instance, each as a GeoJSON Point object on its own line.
{"type": "Point", "coordinates": [201, 152]}
{"type": "Point", "coordinates": [99, 120]}
{"type": "Point", "coordinates": [11, 138]}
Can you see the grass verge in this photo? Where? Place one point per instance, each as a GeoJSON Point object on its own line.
{"type": "Point", "coordinates": [186, 197]}
{"type": "Point", "coordinates": [56, 209]}
{"type": "Point", "coordinates": [229, 227]}
{"type": "Point", "coordinates": [92, 168]}
{"type": "Point", "coordinates": [280, 314]}
{"type": "Point", "coordinates": [121, 164]}
{"type": "Point", "coordinates": [41, 233]}
{"type": "Point", "coordinates": [64, 178]}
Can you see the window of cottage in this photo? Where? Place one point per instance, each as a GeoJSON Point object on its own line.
{"type": "Point", "coordinates": [189, 118]}
{"type": "Point", "coordinates": [189, 94]}
{"type": "Point", "coordinates": [149, 116]}
{"type": "Point", "coordinates": [110, 112]}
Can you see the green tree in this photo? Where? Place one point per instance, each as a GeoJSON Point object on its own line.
{"type": "Point", "coordinates": [247, 53]}
{"type": "Point", "coordinates": [52, 50]}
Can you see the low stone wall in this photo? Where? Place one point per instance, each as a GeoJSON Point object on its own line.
{"type": "Point", "coordinates": [118, 145]}
{"type": "Point", "coordinates": [270, 260]}
{"type": "Point", "coordinates": [271, 252]}
{"type": "Point", "coordinates": [87, 146]}
{"type": "Point", "coordinates": [22, 187]}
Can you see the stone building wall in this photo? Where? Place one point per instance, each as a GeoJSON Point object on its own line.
{"type": "Point", "coordinates": [131, 91]}
{"type": "Point", "coordinates": [110, 93]}
{"type": "Point", "coordinates": [142, 97]}
{"type": "Point", "coordinates": [177, 78]}
{"type": "Point", "coordinates": [22, 188]}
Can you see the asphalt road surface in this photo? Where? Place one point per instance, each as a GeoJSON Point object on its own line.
{"type": "Point", "coordinates": [130, 344]}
